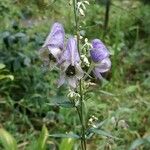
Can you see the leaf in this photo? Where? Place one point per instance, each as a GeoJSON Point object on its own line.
{"type": "Point", "coordinates": [27, 61]}
{"type": "Point", "coordinates": [136, 144]}
{"type": "Point", "coordinates": [86, 2]}
{"type": "Point", "coordinates": [81, 11]}
{"type": "Point", "coordinates": [146, 82]}
{"type": "Point", "coordinates": [66, 144]}
{"type": "Point", "coordinates": [69, 135]}
{"type": "Point", "coordinates": [2, 66]}
{"type": "Point", "coordinates": [11, 77]}
{"type": "Point", "coordinates": [66, 104]}
{"type": "Point", "coordinates": [101, 132]}
{"type": "Point", "coordinates": [40, 143]}
{"type": "Point", "coordinates": [7, 140]}
{"type": "Point", "coordinates": [106, 93]}
{"type": "Point", "coordinates": [139, 142]}
{"type": "Point", "coordinates": [42, 139]}
{"type": "Point", "coordinates": [20, 35]}
{"type": "Point", "coordinates": [131, 89]}
{"type": "Point", "coordinates": [61, 101]}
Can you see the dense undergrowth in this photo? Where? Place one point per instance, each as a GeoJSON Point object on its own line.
{"type": "Point", "coordinates": [27, 90]}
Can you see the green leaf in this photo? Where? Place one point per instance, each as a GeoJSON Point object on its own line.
{"type": "Point", "coordinates": [136, 144]}
{"type": "Point", "coordinates": [11, 77]}
{"type": "Point", "coordinates": [65, 104]}
{"type": "Point", "coordinates": [7, 140]}
{"type": "Point", "coordinates": [42, 139]}
{"type": "Point", "coordinates": [139, 142]}
{"type": "Point", "coordinates": [40, 143]}
{"type": "Point", "coordinates": [106, 93]}
{"type": "Point", "coordinates": [62, 102]}
{"type": "Point", "coordinates": [66, 144]}
{"type": "Point", "coordinates": [2, 66]}
{"type": "Point", "coordinates": [69, 135]}
{"type": "Point", "coordinates": [102, 133]}
{"type": "Point", "coordinates": [131, 89]}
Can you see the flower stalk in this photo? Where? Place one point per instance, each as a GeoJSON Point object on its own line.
{"type": "Point", "coordinates": [80, 109]}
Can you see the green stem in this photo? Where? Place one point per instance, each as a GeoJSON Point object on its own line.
{"type": "Point", "coordinates": [80, 109]}
{"type": "Point", "coordinates": [108, 3]}
{"type": "Point", "coordinates": [82, 115]}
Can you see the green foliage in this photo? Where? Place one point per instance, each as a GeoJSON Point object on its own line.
{"type": "Point", "coordinates": [66, 144]}
{"type": "Point", "coordinates": [4, 76]}
{"type": "Point", "coordinates": [140, 142]}
{"type": "Point", "coordinates": [8, 142]}
{"type": "Point", "coordinates": [101, 132]}
{"type": "Point", "coordinates": [40, 143]}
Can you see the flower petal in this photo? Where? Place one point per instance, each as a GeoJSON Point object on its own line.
{"type": "Point", "coordinates": [64, 66]}
{"type": "Point", "coordinates": [72, 82]}
{"type": "Point", "coordinates": [99, 51]}
{"type": "Point", "coordinates": [98, 44]}
{"type": "Point", "coordinates": [98, 55]}
{"type": "Point", "coordinates": [56, 36]}
{"type": "Point", "coordinates": [97, 74]}
{"type": "Point", "coordinates": [71, 53]}
{"type": "Point", "coordinates": [104, 65]}
{"type": "Point", "coordinates": [56, 52]}
{"type": "Point", "coordinates": [79, 71]}
{"type": "Point", "coordinates": [61, 81]}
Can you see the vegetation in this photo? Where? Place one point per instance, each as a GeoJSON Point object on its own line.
{"type": "Point", "coordinates": [32, 113]}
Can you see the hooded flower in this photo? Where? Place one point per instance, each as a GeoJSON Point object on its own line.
{"type": "Point", "coordinates": [53, 45]}
{"type": "Point", "coordinates": [71, 71]}
{"type": "Point", "coordinates": [100, 57]}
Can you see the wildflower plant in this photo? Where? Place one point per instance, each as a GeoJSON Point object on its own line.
{"type": "Point", "coordinates": [70, 59]}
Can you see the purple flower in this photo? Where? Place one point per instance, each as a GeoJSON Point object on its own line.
{"type": "Point", "coordinates": [53, 45]}
{"type": "Point", "coordinates": [100, 57]}
{"type": "Point", "coordinates": [71, 70]}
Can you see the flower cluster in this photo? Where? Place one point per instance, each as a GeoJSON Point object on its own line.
{"type": "Point", "coordinates": [54, 53]}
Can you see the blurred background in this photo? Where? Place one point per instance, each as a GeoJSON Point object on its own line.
{"type": "Point", "coordinates": [26, 91]}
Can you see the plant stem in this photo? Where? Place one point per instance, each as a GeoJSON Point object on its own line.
{"type": "Point", "coordinates": [82, 116]}
{"type": "Point", "coordinates": [108, 3]}
{"type": "Point", "coordinates": [80, 108]}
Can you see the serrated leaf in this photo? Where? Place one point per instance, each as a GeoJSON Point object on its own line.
{"type": "Point", "coordinates": [7, 140]}
{"type": "Point", "coordinates": [69, 135]}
